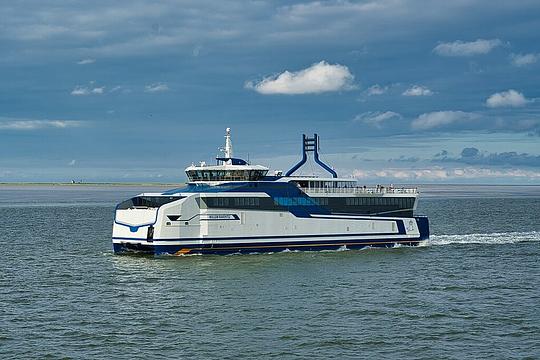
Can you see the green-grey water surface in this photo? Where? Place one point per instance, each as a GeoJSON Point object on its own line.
{"type": "Point", "coordinates": [474, 292]}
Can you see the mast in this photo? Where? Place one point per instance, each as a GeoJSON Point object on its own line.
{"type": "Point", "coordinates": [228, 144]}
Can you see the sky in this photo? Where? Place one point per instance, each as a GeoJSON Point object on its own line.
{"type": "Point", "coordinates": [398, 91]}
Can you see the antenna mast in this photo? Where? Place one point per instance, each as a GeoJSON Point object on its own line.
{"type": "Point", "coordinates": [228, 144]}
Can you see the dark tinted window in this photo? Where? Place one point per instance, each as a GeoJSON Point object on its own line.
{"type": "Point", "coordinates": [147, 202]}
{"type": "Point", "coordinates": [226, 175]}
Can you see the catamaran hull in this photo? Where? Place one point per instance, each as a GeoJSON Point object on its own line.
{"type": "Point", "coordinates": [266, 244]}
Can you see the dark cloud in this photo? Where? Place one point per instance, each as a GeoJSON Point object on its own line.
{"type": "Point", "coordinates": [453, 121]}
{"type": "Point", "coordinates": [441, 155]}
{"type": "Point", "coordinates": [404, 158]}
{"type": "Point", "coordinates": [473, 156]}
{"type": "Point", "coordinates": [468, 153]}
{"type": "Point", "coordinates": [138, 27]}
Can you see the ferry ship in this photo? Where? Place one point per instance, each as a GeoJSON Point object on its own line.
{"type": "Point", "coordinates": [236, 207]}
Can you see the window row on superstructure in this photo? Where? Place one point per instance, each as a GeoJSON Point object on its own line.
{"type": "Point", "coordinates": [401, 202]}
{"type": "Point", "coordinates": [324, 184]}
{"type": "Point", "coordinates": [402, 206]}
{"type": "Point", "coordinates": [225, 175]}
{"type": "Point", "coordinates": [230, 201]}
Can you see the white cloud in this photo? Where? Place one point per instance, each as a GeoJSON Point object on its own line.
{"type": "Point", "coordinates": [440, 118]}
{"type": "Point", "coordinates": [156, 87]}
{"type": "Point", "coordinates": [417, 90]}
{"type": "Point", "coordinates": [510, 98]}
{"type": "Point", "coordinates": [318, 78]}
{"type": "Point", "coordinates": [84, 90]}
{"type": "Point", "coordinates": [80, 91]}
{"type": "Point", "coordinates": [524, 59]}
{"type": "Point", "coordinates": [462, 48]}
{"type": "Point", "coordinates": [26, 124]}
{"type": "Point", "coordinates": [86, 61]}
{"type": "Point", "coordinates": [120, 89]}
{"type": "Point", "coordinates": [72, 162]}
{"type": "Point", "coordinates": [376, 118]}
{"type": "Point", "coordinates": [376, 90]}
{"type": "Point", "coordinates": [443, 174]}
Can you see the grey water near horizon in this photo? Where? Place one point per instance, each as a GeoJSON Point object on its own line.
{"type": "Point", "coordinates": [473, 292]}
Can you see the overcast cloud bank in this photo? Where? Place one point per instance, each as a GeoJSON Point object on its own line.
{"type": "Point", "coordinates": [474, 156]}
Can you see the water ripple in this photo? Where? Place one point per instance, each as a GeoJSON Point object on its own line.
{"type": "Point", "coordinates": [65, 295]}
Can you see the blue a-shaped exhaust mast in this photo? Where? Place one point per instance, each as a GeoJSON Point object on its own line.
{"type": "Point", "coordinates": [311, 145]}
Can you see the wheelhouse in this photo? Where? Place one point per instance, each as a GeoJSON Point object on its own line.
{"type": "Point", "coordinates": [228, 168]}
{"type": "Point", "coordinates": [224, 174]}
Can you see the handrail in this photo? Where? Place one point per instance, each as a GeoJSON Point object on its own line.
{"type": "Point", "coordinates": [361, 190]}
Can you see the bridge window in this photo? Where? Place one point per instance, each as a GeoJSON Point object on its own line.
{"type": "Point", "coordinates": [225, 175]}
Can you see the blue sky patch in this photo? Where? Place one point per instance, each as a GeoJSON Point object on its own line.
{"type": "Point", "coordinates": [138, 90]}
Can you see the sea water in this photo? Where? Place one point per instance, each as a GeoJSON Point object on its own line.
{"type": "Point", "coordinates": [473, 292]}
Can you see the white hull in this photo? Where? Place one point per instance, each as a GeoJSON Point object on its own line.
{"type": "Point", "coordinates": [232, 230]}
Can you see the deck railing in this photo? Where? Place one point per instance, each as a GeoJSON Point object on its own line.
{"type": "Point", "coordinates": [361, 190]}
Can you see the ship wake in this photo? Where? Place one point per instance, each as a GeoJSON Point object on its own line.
{"type": "Point", "coordinates": [485, 239]}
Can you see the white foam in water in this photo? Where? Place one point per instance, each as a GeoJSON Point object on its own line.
{"type": "Point", "coordinates": [487, 239]}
